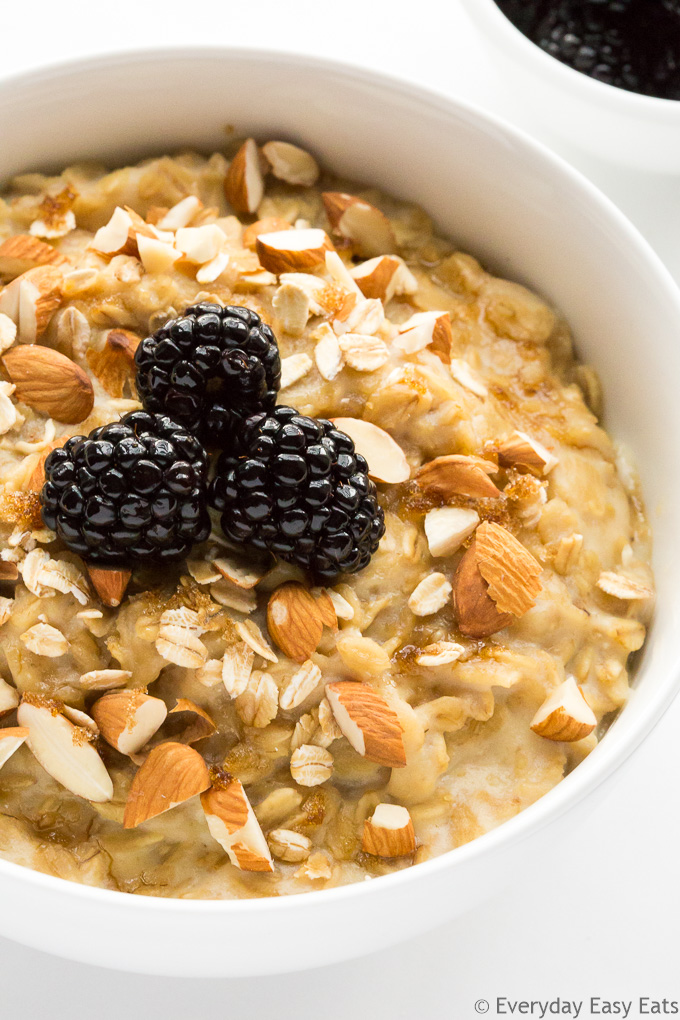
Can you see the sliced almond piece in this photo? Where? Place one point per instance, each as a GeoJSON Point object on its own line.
{"type": "Point", "coordinates": [389, 832]}
{"type": "Point", "coordinates": [22, 252]}
{"type": "Point", "coordinates": [292, 250]}
{"type": "Point", "coordinates": [300, 686]}
{"type": "Point", "coordinates": [509, 569]}
{"type": "Point", "coordinates": [157, 256]}
{"type": "Point", "coordinates": [294, 620]}
{"type": "Point", "coordinates": [426, 329]}
{"type": "Point", "coordinates": [294, 368]}
{"type": "Point", "coordinates": [50, 383]}
{"type": "Point", "coordinates": [104, 679]}
{"type": "Point", "coordinates": [40, 293]}
{"type": "Point", "coordinates": [363, 353]}
{"type": "Point", "coordinates": [9, 697]}
{"type": "Point", "coordinates": [311, 765]}
{"type": "Point", "coordinates": [110, 584]}
{"type": "Point", "coordinates": [447, 527]}
{"type": "Point", "coordinates": [458, 475]}
{"type": "Point", "coordinates": [269, 225]}
{"type": "Point", "coordinates": [11, 740]}
{"type": "Point", "coordinates": [463, 374]}
{"type": "Point", "coordinates": [386, 459]}
{"type": "Point", "coordinates": [42, 639]}
{"type": "Point", "coordinates": [194, 722]}
{"type": "Point", "coordinates": [114, 364]}
{"type": "Point", "coordinates": [326, 606]}
{"type": "Point", "coordinates": [244, 184]}
{"type": "Point", "coordinates": [327, 353]}
{"type": "Point", "coordinates": [441, 653]}
{"type": "Point", "coordinates": [292, 307]}
{"type": "Point", "coordinates": [81, 719]}
{"type": "Point", "coordinates": [624, 588]}
{"type": "Point", "coordinates": [476, 612]}
{"type": "Point", "coordinates": [200, 244]}
{"type": "Point", "coordinates": [368, 722]}
{"type": "Point", "coordinates": [366, 227]}
{"type": "Point", "coordinates": [291, 164]}
{"type": "Point", "coordinates": [384, 277]}
{"type": "Point", "coordinates": [430, 595]}
{"type": "Point", "coordinates": [172, 774]}
{"type": "Point", "coordinates": [119, 235]}
{"type": "Point", "coordinates": [63, 752]}
{"type": "Point", "coordinates": [523, 453]}
{"type": "Point", "coordinates": [232, 822]}
{"type": "Point", "coordinates": [565, 714]}
{"type": "Point", "coordinates": [181, 214]}
{"type": "Point", "coordinates": [128, 719]}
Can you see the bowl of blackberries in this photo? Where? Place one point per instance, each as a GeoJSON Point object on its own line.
{"type": "Point", "coordinates": [605, 74]}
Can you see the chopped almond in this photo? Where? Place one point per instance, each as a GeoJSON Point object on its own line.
{"type": "Point", "coordinates": [565, 714]}
{"type": "Point", "coordinates": [427, 329]}
{"type": "Point", "coordinates": [291, 164]}
{"type": "Point", "coordinates": [384, 277]}
{"type": "Point", "coordinates": [386, 459]}
{"type": "Point", "coordinates": [244, 185]}
{"type": "Point", "coordinates": [476, 612]}
{"type": "Point", "coordinates": [22, 252]}
{"type": "Point", "coordinates": [269, 225]}
{"type": "Point", "coordinates": [458, 475]}
{"type": "Point", "coordinates": [446, 528]}
{"type": "Point", "coordinates": [389, 832]}
{"type": "Point", "coordinates": [523, 453]}
{"type": "Point", "coordinates": [128, 719]}
{"type": "Point", "coordinates": [294, 251]}
{"type": "Point", "coordinates": [368, 722]}
{"type": "Point", "coordinates": [11, 740]}
{"type": "Point", "coordinates": [172, 774]}
{"type": "Point", "coordinates": [114, 364]}
{"type": "Point", "coordinates": [510, 571]}
{"type": "Point", "coordinates": [358, 221]}
{"type": "Point", "coordinates": [233, 824]}
{"type": "Point", "coordinates": [181, 214]}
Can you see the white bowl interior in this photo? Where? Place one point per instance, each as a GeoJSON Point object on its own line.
{"type": "Point", "coordinates": [524, 214]}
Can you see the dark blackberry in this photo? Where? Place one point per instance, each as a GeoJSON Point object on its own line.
{"type": "Point", "coordinates": [297, 488]}
{"type": "Point", "coordinates": [673, 6]}
{"type": "Point", "coordinates": [132, 491]}
{"type": "Point", "coordinates": [581, 36]}
{"type": "Point", "coordinates": [210, 369]}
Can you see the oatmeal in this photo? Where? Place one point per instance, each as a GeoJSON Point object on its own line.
{"type": "Point", "coordinates": [395, 611]}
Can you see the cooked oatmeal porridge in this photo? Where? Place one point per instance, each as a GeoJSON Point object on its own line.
{"type": "Point", "coordinates": [346, 572]}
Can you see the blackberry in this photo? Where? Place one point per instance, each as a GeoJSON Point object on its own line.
{"type": "Point", "coordinates": [298, 488]}
{"type": "Point", "coordinates": [210, 369]}
{"type": "Point", "coordinates": [132, 491]}
{"type": "Point", "coordinates": [581, 36]}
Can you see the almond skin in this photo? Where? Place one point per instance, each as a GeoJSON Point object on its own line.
{"type": "Point", "coordinates": [233, 824]}
{"type": "Point", "coordinates": [474, 609]}
{"type": "Point", "coordinates": [114, 364]}
{"type": "Point", "coordinates": [458, 475]}
{"type": "Point", "coordinates": [110, 584]}
{"type": "Point", "coordinates": [50, 383]}
{"type": "Point", "coordinates": [243, 185]}
{"type": "Point", "coordinates": [295, 620]}
{"type": "Point", "coordinates": [128, 719]}
{"type": "Point", "coordinates": [22, 252]}
{"type": "Point", "coordinates": [172, 774]}
{"type": "Point", "coordinates": [368, 722]}
{"type": "Point", "coordinates": [358, 221]}
{"type": "Point", "coordinates": [389, 833]}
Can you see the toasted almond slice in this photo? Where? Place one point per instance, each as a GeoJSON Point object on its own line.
{"type": "Point", "coordinates": [128, 719]}
{"type": "Point", "coordinates": [343, 609]}
{"type": "Point", "coordinates": [63, 753]}
{"type": "Point", "coordinates": [171, 774]}
{"type": "Point", "coordinates": [195, 722]}
{"type": "Point", "coordinates": [232, 822]}
{"type": "Point", "coordinates": [368, 722]}
{"type": "Point", "coordinates": [104, 679]}
{"type": "Point", "coordinates": [565, 714]}
{"type": "Point", "coordinates": [157, 256]}
{"type": "Point", "coordinates": [426, 329]}
{"type": "Point", "coordinates": [366, 227]}
{"type": "Point", "coordinates": [244, 574]}
{"type": "Point", "coordinates": [624, 588]}
{"type": "Point", "coordinates": [441, 653]}
{"type": "Point", "coordinates": [212, 270]}
{"type": "Point", "coordinates": [363, 353]}
{"type": "Point", "coordinates": [292, 307]}
{"type": "Point", "coordinates": [386, 459]}
{"type": "Point", "coordinates": [384, 277]}
{"type": "Point", "coordinates": [81, 719]}
{"type": "Point", "coordinates": [110, 584]}
{"type": "Point", "coordinates": [269, 225]}
{"type": "Point", "coordinates": [523, 453]}
{"type": "Point", "coordinates": [292, 250]}
{"type": "Point", "coordinates": [447, 527]}
{"type": "Point", "coordinates": [40, 294]}
{"type": "Point", "coordinates": [327, 353]}
{"type": "Point", "coordinates": [291, 164]}
{"type": "Point", "coordinates": [389, 833]}
{"type": "Point", "coordinates": [181, 214]}
{"type": "Point", "coordinates": [49, 383]}
{"type": "Point", "coordinates": [22, 252]}
{"type": "Point", "coordinates": [249, 632]}
{"type": "Point", "coordinates": [11, 740]}
{"type": "Point", "coordinates": [311, 765]}
{"type": "Point", "coordinates": [237, 666]}
{"type": "Point", "coordinates": [244, 184]}
{"type": "Point", "coordinates": [430, 595]}
{"type": "Point", "coordinates": [294, 368]}
{"type": "Point", "coordinates": [288, 845]}
{"type": "Point", "coordinates": [42, 639]}
{"type": "Point", "coordinates": [509, 569]}
{"type": "Point", "coordinates": [200, 244]}
{"type": "Point", "coordinates": [295, 620]}
{"type": "Point", "coordinates": [9, 697]}
{"type": "Point", "coordinates": [476, 612]}
{"type": "Point", "coordinates": [463, 374]}
{"type": "Point", "coordinates": [300, 686]}
{"type": "Point", "coordinates": [458, 475]}
{"type": "Point", "coordinates": [119, 235]}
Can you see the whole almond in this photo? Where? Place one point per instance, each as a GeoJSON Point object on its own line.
{"type": "Point", "coordinates": [295, 620]}
{"type": "Point", "coordinates": [50, 383]}
{"type": "Point", "coordinates": [509, 569]}
{"type": "Point", "coordinates": [476, 612]}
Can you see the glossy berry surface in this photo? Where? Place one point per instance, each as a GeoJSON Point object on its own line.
{"type": "Point", "coordinates": [210, 369]}
{"type": "Point", "coordinates": [297, 488]}
{"type": "Point", "coordinates": [131, 492]}
{"type": "Point", "coordinates": [630, 44]}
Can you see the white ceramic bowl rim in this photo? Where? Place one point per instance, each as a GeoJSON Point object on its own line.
{"type": "Point", "coordinates": [506, 33]}
{"type": "Point", "coordinates": [608, 755]}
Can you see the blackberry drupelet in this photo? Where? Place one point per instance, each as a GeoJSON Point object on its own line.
{"type": "Point", "coordinates": [581, 36]}
{"type": "Point", "coordinates": [210, 369]}
{"type": "Point", "coordinates": [297, 488]}
{"type": "Point", "coordinates": [134, 491]}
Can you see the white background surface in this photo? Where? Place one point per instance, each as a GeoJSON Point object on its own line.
{"type": "Point", "coordinates": [600, 919]}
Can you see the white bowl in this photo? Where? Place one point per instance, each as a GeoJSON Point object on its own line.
{"type": "Point", "coordinates": [526, 214]}
{"type": "Point", "coordinates": [616, 125]}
